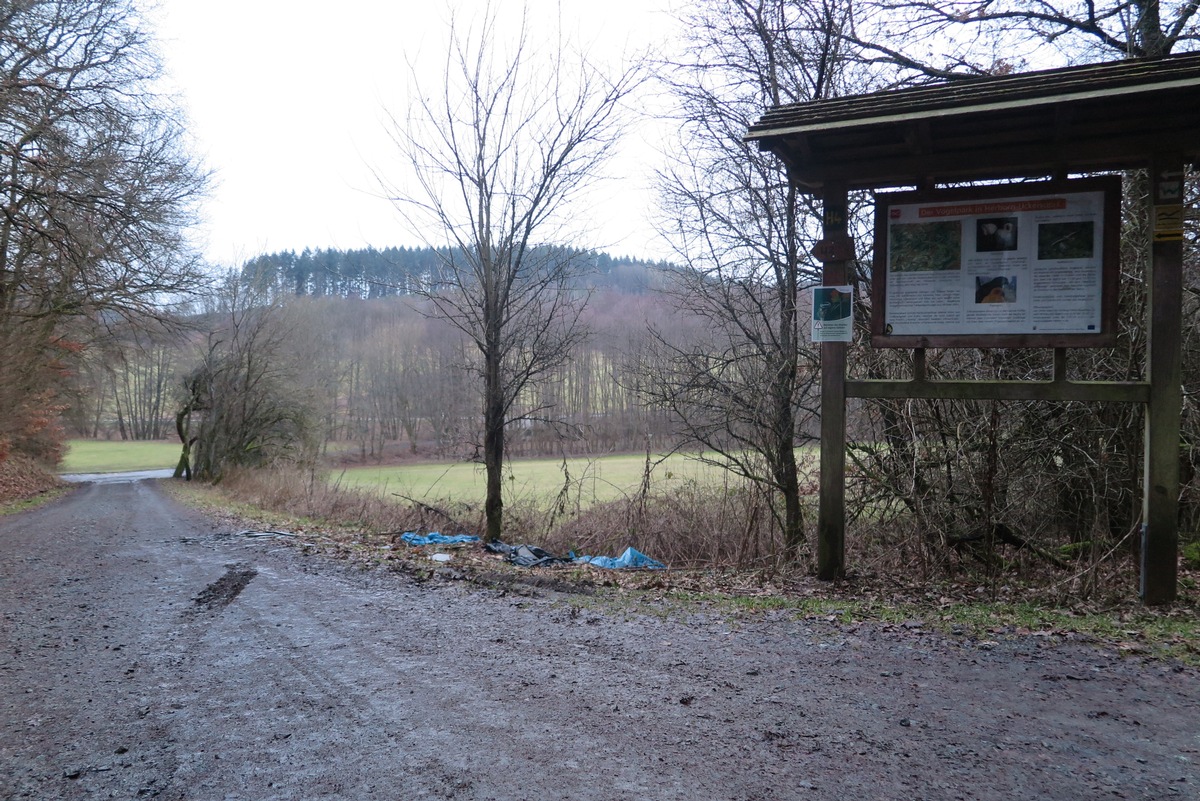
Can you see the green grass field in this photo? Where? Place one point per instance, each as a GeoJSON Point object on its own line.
{"type": "Point", "coordinates": [592, 480]}
{"type": "Point", "coordinates": [96, 456]}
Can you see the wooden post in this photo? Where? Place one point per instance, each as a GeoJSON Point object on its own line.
{"type": "Point", "coordinates": [831, 516]}
{"type": "Point", "coordinates": [1160, 501]}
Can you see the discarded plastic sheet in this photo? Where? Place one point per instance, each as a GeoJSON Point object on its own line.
{"type": "Point", "coordinates": [533, 556]}
{"type": "Point", "coordinates": [630, 558]}
{"type": "Point", "coordinates": [525, 555]}
{"type": "Point", "coordinates": [434, 538]}
{"type": "Point", "coordinates": [441, 557]}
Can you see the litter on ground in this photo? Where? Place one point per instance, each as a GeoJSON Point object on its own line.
{"type": "Point", "coordinates": [533, 556]}
{"type": "Point", "coordinates": [525, 555]}
{"type": "Point", "coordinates": [434, 538]}
{"type": "Point", "coordinates": [253, 533]}
{"type": "Point", "coordinates": [630, 558]}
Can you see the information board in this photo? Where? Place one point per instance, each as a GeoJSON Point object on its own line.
{"type": "Point", "coordinates": [1010, 266]}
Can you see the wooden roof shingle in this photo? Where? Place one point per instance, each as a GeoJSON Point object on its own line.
{"type": "Point", "coordinates": [1096, 117]}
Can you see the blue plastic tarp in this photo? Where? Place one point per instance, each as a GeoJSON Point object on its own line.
{"type": "Point", "coordinates": [434, 538]}
{"type": "Point", "coordinates": [631, 558]}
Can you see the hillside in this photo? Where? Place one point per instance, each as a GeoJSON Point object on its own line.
{"type": "Point", "coordinates": [370, 273]}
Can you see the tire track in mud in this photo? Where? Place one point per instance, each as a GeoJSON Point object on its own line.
{"type": "Point", "coordinates": [204, 691]}
{"type": "Point", "coordinates": [257, 695]}
{"type": "Point", "coordinates": [286, 694]}
{"type": "Point", "coordinates": [222, 592]}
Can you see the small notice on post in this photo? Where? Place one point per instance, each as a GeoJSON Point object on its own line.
{"type": "Point", "coordinates": [833, 314]}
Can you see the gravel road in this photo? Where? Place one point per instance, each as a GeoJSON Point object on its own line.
{"type": "Point", "coordinates": [145, 652]}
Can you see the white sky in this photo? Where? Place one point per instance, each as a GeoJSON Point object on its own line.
{"type": "Point", "coordinates": [285, 101]}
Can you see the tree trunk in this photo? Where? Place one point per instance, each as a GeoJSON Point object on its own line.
{"type": "Point", "coordinates": [785, 394]}
{"type": "Point", "coordinates": [182, 424]}
{"type": "Point", "coordinates": [493, 445]}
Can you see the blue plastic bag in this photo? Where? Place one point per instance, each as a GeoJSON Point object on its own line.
{"type": "Point", "coordinates": [631, 558]}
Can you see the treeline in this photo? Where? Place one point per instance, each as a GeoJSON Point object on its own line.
{"type": "Point", "coordinates": [385, 374]}
{"type": "Point", "coordinates": [370, 273]}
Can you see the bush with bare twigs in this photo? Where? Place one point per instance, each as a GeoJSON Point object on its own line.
{"type": "Point", "coordinates": [691, 526]}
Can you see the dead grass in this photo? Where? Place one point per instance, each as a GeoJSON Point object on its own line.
{"type": "Point", "coordinates": [1099, 575]}
{"type": "Point", "coordinates": [693, 526]}
{"type": "Point", "coordinates": [698, 527]}
{"type": "Point", "coordinates": [308, 495]}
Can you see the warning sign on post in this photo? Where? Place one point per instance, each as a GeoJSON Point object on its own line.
{"type": "Point", "coordinates": [833, 314]}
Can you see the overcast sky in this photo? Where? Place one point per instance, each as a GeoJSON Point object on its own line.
{"type": "Point", "coordinates": [285, 102]}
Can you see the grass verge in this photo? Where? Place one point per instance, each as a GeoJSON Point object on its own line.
{"type": "Point", "coordinates": [12, 506]}
{"type": "Point", "coordinates": [1164, 633]}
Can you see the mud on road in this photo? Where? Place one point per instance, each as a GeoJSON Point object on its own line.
{"type": "Point", "coordinates": [146, 653]}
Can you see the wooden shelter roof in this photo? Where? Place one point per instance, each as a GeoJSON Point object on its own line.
{"type": "Point", "coordinates": [1095, 117]}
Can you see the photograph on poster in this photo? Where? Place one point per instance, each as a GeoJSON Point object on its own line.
{"type": "Point", "coordinates": [996, 233]}
{"type": "Point", "coordinates": [1070, 240]}
{"type": "Point", "coordinates": [1001, 289]}
{"type": "Point", "coordinates": [963, 265]}
{"type": "Point", "coordinates": [925, 246]}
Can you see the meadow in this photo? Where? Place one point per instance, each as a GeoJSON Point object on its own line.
{"type": "Point", "coordinates": [584, 481]}
{"type": "Point", "coordinates": [103, 456]}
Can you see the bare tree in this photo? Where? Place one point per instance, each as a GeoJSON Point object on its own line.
{"type": "Point", "coordinates": [947, 39]}
{"type": "Point", "coordinates": [744, 230]}
{"type": "Point", "coordinates": [253, 400]}
{"type": "Point", "coordinates": [141, 374]}
{"type": "Point", "coordinates": [501, 148]}
{"type": "Point", "coordinates": [96, 187]}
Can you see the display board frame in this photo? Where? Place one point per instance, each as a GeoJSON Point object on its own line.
{"type": "Point", "coordinates": [1009, 235]}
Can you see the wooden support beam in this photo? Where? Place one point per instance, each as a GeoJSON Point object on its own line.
{"type": "Point", "coordinates": [1160, 501]}
{"type": "Point", "coordinates": [831, 513]}
{"type": "Point", "coordinates": [1060, 365]}
{"type": "Point", "coordinates": [1106, 391]}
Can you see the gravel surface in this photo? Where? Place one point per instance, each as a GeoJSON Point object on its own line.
{"type": "Point", "coordinates": [147, 652]}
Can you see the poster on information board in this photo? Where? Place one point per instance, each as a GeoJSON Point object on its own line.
{"type": "Point", "coordinates": [999, 266]}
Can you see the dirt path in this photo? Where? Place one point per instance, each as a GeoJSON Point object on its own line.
{"type": "Point", "coordinates": [146, 653]}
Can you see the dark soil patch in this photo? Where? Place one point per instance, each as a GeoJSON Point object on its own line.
{"type": "Point", "coordinates": [223, 591]}
{"type": "Point", "coordinates": [533, 581]}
